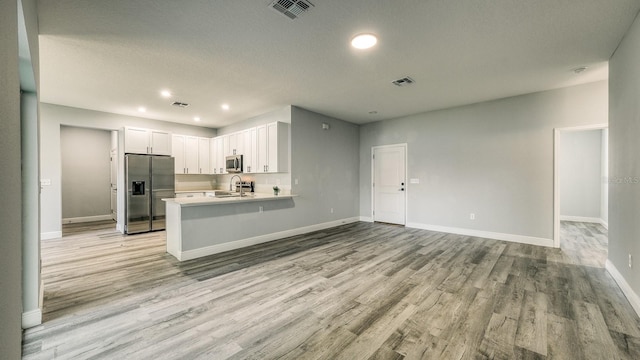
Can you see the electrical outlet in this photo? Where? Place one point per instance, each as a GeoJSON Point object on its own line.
{"type": "Point", "coordinates": [296, 181]}
{"type": "Point", "coordinates": [630, 261]}
{"type": "Point", "coordinates": [472, 216]}
{"type": "Point", "coordinates": [331, 210]}
{"type": "Point", "coordinates": [259, 208]}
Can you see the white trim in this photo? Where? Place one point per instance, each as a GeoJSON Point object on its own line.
{"type": "Point", "coordinates": [605, 224]}
{"type": "Point", "coordinates": [50, 235]}
{"type": "Point", "coordinates": [31, 318]}
{"type": "Point", "coordinates": [366, 219]}
{"type": "Point", "coordinates": [485, 234]}
{"type": "Point", "coordinates": [556, 173]}
{"type": "Point", "coordinates": [633, 298]}
{"type": "Point", "coordinates": [218, 248]}
{"type": "Point", "coordinates": [85, 219]}
{"type": "Point", "coordinates": [405, 147]}
{"type": "Point", "coordinates": [581, 219]}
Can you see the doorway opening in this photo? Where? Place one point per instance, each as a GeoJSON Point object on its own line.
{"type": "Point", "coordinates": [389, 186]}
{"type": "Point", "coordinates": [580, 174]}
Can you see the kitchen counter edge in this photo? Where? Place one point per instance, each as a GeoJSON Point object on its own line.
{"type": "Point", "coordinates": [210, 200]}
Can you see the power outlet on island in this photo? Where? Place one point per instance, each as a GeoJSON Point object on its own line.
{"type": "Point", "coordinates": [472, 216]}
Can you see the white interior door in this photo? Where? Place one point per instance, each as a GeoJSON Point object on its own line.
{"type": "Point", "coordinates": [389, 184]}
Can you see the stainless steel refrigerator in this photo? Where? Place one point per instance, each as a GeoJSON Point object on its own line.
{"type": "Point", "coordinates": [148, 179]}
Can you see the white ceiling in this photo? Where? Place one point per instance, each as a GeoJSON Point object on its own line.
{"type": "Point", "coordinates": [117, 55]}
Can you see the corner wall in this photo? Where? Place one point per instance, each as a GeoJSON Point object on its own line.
{"type": "Point", "coordinates": [494, 159]}
{"type": "Point", "coordinates": [10, 179]}
{"type": "Point", "coordinates": [624, 164]}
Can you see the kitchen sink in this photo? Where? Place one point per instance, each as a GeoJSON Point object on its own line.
{"type": "Point", "coordinates": [225, 194]}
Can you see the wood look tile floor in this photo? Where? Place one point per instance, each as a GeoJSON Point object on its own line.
{"type": "Point", "coordinates": [358, 291]}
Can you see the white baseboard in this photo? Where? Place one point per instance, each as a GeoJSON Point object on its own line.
{"type": "Point", "coordinates": [366, 218]}
{"type": "Point", "coordinates": [633, 298]}
{"type": "Point", "coordinates": [218, 248]}
{"type": "Point", "coordinates": [84, 219]}
{"type": "Point", "coordinates": [31, 318]}
{"type": "Point", "coordinates": [50, 235]}
{"type": "Point", "coordinates": [485, 234]}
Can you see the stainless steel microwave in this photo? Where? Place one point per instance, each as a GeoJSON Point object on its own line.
{"type": "Point", "coordinates": [234, 164]}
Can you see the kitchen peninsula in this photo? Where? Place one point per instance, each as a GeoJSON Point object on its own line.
{"type": "Point", "coordinates": [201, 226]}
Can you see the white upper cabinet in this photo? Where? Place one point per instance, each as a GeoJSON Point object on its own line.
{"type": "Point", "coordinates": [272, 147]}
{"type": "Point", "coordinates": [146, 141]}
{"type": "Point", "coordinates": [204, 154]}
{"type": "Point", "coordinates": [177, 147]}
{"type": "Point", "coordinates": [191, 154]}
{"type": "Point", "coordinates": [218, 154]}
{"type": "Point", "coordinates": [160, 143]}
{"type": "Point", "coordinates": [249, 150]}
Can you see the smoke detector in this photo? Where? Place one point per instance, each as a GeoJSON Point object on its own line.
{"type": "Point", "coordinates": [404, 81]}
{"type": "Point", "coordinates": [179, 104]}
{"type": "Point", "coordinates": [291, 8]}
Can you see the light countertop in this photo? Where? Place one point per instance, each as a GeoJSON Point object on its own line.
{"type": "Point", "coordinates": [211, 200]}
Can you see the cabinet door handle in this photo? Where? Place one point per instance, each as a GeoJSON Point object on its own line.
{"type": "Point", "coordinates": [151, 150]}
{"type": "Point", "coordinates": [200, 170]}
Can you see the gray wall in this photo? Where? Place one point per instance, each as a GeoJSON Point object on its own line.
{"type": "Point", "coordinates": [624, 156]}
{"type": "Point", "coordinates": [581, 173]}
{"type": "Point", "coordinates": [10, 180]}
{"type": "Point", "coordinates": [51, 118]}
{"type": "Point", "coordinates": [325, 164]}
{"type": "Point", "coordinates": [494, 159]}
{"type": "Point", "coordinates": [86, 170]}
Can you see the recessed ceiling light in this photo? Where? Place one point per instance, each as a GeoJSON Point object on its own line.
{"type": "Point", "coordinates": [364, 41]}
{"type": "Point", "coordinates": [142, 109]}
{"type": "Point", "coordinates": [196, 119]}
{"type": "Point", "coordinates": [225, 107]}
{"type": "Point", "coordinates": [165, 93]}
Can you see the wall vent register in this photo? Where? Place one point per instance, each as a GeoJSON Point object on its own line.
{"type": "Point", "coordinates": [291, 8]}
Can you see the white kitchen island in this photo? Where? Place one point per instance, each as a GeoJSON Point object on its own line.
{"type": "Point", "coordinates": [201, 226]}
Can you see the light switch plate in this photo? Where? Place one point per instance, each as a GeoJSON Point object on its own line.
{"type": "Point", "coordinates": [45, 182]}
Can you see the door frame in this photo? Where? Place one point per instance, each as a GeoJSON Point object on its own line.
{"type": "Point", "coordinates": [557, 132]}
{"type": "Point", "coordinates": [406, 178]}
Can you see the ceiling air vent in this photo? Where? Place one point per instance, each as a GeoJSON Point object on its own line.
{"type": "Point", "coordinates": [179, 104]}
{"type": "Point", "coordinates": [291, 8]}
{"type": "Point", "coordinates": [404, 81]}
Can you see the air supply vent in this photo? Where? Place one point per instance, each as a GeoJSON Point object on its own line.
{"type": "Point", "coordinates": [179, 104]}
{"type": "Point", "coordinates": [291, 8]}
{"type": "Point", "coordinates": [404, 81]}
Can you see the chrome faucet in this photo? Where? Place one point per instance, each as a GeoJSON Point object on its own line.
{"type": "Point", "coordinates": [231, 184]}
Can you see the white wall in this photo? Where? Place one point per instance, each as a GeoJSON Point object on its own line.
{"type": "Point", "coordinates": [580, 156]}
{"type": "Point", "coordinates": [86, 172]}
{"type": "Point", "coordinates": [51, 119]}
{"type": "Point", "coordinates": [624, 163]}
{"type": "Point", "coordinates": [494, 159]}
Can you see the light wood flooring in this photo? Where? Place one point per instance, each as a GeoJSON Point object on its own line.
{"type": "Point", "coordinates": [358, 291]}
